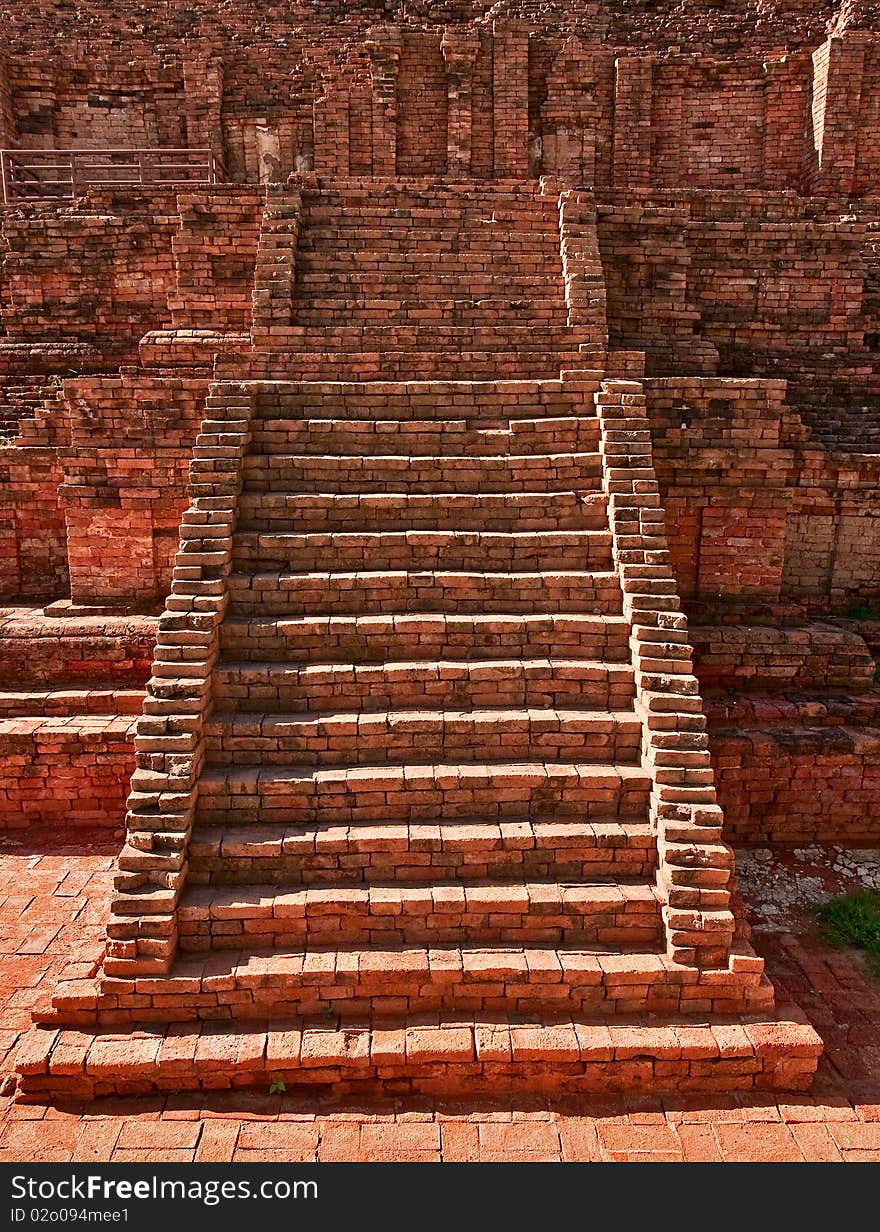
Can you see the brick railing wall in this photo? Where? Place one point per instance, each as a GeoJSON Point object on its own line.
{"type": "Point", "coordinates": [695, 864]}
{"type": "Point", "coordinates": [169, 745]}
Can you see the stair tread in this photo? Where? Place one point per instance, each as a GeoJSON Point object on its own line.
{"type": "Point", "coordinates": [621, 770]}
{"type": "Point", "coordinates": [489, 894]}
{"type": "Point", "coordinates": [428, 714]}
{"type": "Point", "coordinates": [460, 830]}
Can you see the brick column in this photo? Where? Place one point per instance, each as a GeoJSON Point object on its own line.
{"type": "Point", "coordinates": [631, 160]}
{"type": "Point", "coordinates": [839, 66]}
{"type": "Point", "coordinates": [460, 49]}
{"type": "Point", "coordinates": [203, 94]}
{"type": "Point", "coordinates": [8, 134]}
{"type": "Point", "coordinates": [510, 100]}
{"type": "Point", "coordinates": [384, 46]}
{"type": "Point", "coordinates": [582, 264]}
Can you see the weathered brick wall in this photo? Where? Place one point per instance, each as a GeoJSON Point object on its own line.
{"type": "Point", "coordinates": [124, 483]}
{"type": "Point", "coordinates": [56, 773]}
{"type": "Point", "coordinates": [755, 276]}
{"type": "Point", "coordinates": [845, 114]}
{"type": "Point", "coordinates": [756, 508]}
{"type": "Point", "coordinates": [729, 123]}
{"type": "Point", "coordinates": [98, 272]}
{"type": "Point", "coordinates": [7, 108]}
{"type": "Point", "coordinates": [798, 785]}
{"type": "Point", "coordinates": [215, 250]}
{"type": "Point", "coordinates": [436, 95]}
{"type": "Point", "coordinates": [33, 555]}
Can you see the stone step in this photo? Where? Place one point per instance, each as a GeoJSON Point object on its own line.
{"type": "Point", "coordinates": [295, 512]}
{"type": "Point", "coordinates": [417, 792]}
{"type": "Point", "coordinates": [423, 637]}
{"type": "Point", "coordinates": [530, 913]}
{"type": "Point", "coordinates": [61, 702]}
{"type": "Point", "coordinates": [482, 436]}
{"type": "Point", "coordinates": [392, 591]}
{"type": "Point", "coordinates": [510, 404]}
{"type": "Point", "coordinates": [496, 341]}
{"type": "Point", "coordinates": [403, 353]}
{"type": "Point", "coordinates": [505, 978]}
{"type": "Point", "coordinates": [422, 550]}
{"type": "Point", "coordinates": [366, 279]}
{"type": "Point", "coordinates": [465, 314]}
{"type": "Point", "coordinates": [472, 1056]}
{"type": "Point", "coordinates": [564, 849]}
{"type": "Point", "coordinates": [440, 684]}
{"type": "Point", "coordinates": [365, 737]}
{"type": "Point", "coordinates": [446, 473]}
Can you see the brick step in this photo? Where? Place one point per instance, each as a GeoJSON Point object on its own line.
{"type": "Point", "coordinates": [440, 851]}
{"type": "Point", "coordinates": [354, 794]}
{"type": "Point", "coordinates": [63, 702]}
{"type": "Point", "coordinates": [410, 398]}
{"type": "Point", "coordinates": [376, 511]}
{"type": "Point", "coordinates": [365, 737]}
{"type": "Point", "coordinates": [431, 336]}
{"type": "Point", "coordinates": [428, 550]}
{"type": "Point", "coordinates": [503, 978]}
{"type": "Point", "coordinates": [427, 437]}
{"type": "Point", "coordinates": [380, 241]}
{"type": "Point", "coordinates": [362, 593]}
{"type": "Point", "coordinates": [458, 355]}
{"type": "Point", "coordinates": [432, 684]}
{"type": "Point", "coordinates": [453, 313]}
{"type": "Point", "coordinates": [530, 913]}
{"type": "Point", "coordinates": [432, 635]}
{"type": "Point", "coordinates": [392, 473]}
{"type": "Point", "coordinates": [450, 1055]}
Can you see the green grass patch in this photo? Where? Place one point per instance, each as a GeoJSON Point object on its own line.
{"type": "Point", "coordinates": [854, 920]}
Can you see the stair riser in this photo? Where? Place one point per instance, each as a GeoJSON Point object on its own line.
{"type": "Point", "coordinates": [529, 473]}
{"type": "Point", "coordinates": [285, 692]}
{"type": "Point", "coordinates": [423, 592]}
{"type": "Point", "coordinates": [211, 865]}
{"type": "Point", "coordinates": [270, 804]}
{"type": "Point", "coordinates": [400, 639]}
{"type": "Point", "coordinates": [329, 748]}
{"type": "Point", "coordinates": [392, 992]}
{"type": "Point", "coordinates": [482, 437]}
{"type": "Point", "coordinates": [495, 554]}
{"type": "Point", "coordinates": [635, 925]}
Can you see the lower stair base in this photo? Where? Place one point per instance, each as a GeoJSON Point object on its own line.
{"type": "Point", "coordinates": [423, 1055]}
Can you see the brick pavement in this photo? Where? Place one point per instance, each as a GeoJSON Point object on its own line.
{"type": "Point", "coordinates": [56, 903]}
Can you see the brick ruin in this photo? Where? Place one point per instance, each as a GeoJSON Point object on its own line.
{"type": "Point", "coordinates": [443, 535]}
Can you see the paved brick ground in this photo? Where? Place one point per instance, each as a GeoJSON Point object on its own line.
{"type": "Point", "coordinates": [55, 903]}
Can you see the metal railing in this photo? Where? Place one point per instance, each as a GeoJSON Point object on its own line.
{"type": "Point", "coordinates": [29, 175]}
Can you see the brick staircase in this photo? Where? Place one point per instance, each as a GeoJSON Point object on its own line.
{"type": "Point", "coordinates": [399, 822]}
{"type": "Point", "coordinates": [380, 280]}
{"type": "Point", "coordinates": [423, 798]}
